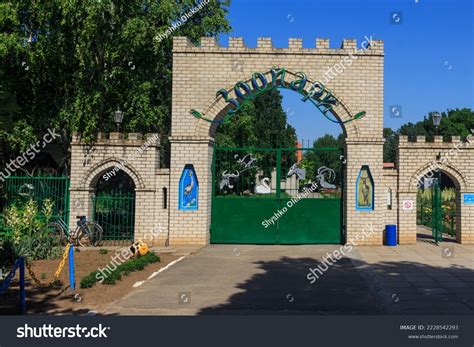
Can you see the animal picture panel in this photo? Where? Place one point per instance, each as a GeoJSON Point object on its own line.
{"type": "Point", "coordinates": [365, 190]}
{"type": "Point", "coordinates": [188, 189]}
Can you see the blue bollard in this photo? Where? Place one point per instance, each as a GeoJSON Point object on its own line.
{"type": "Point", "coordinates": [72, 283]}
{"type": "Point", "coordinates": [391, 235]}
{"type": "Point", "coordinates": [21, 265]}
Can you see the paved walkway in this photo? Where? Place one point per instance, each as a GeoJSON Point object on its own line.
{"type": "Point", "coordinates": [237, 279]}
{"type": "Point", "coordinates": [419, 279]}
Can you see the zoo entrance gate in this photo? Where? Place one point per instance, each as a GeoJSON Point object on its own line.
{"type": "Point", "coordinates": [252, 185]}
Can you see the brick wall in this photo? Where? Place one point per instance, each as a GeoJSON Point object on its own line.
{"type": "Point", "coordinates": [199, 71]}
{"type": "Point", "coordinates": [90, 162]}
{"type": "Point", "coordinates": [417, 159]}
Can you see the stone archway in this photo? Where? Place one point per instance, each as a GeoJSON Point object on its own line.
{"type": "Point", "coordinates": [113, 203]}
{"type": "Point", "coordinates": [92, 176]}
{"type": "Point", "coordinates": [429, 171]}
{"type": "Point", "coordinates": [414, 160]}
{"type": "Point", "coordinates": [339, 111]}
{"type": "Point", "coordinates": [452, 172]}
{"type": "Point", "coordinates": [135, 155]}
{"type": "Point", "coordinates": [200, 71]}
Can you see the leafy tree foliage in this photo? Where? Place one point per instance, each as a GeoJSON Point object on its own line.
{"type": "Point", "coordinates": [319, 158]}
{"type": "Point", "coordinates": [69, 64]}
{"type": "Point", "coordinates": [260, 123]}
{"type": "Point", "coordinates": [390, 145]}
{"type": "Point", "coordinates": [458, 122]}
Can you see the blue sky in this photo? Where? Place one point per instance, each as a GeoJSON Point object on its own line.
{"type": "Point", "coordinates": [428, 56]}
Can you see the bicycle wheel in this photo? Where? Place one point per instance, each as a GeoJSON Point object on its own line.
{"type": "Point", "coordinates": [89, 234]}
{"type": "Point", "coordinates": [82, 237]}
{"type": "Point", "coordinates": [58, 231]}
{"type": "Point", "coordinates": [95, 233]}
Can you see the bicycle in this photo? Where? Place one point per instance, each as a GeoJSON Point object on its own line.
{"type": "Point", "coordinates": [87, 233]}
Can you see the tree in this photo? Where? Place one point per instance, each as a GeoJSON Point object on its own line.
{"type": "Point", "coordinates": [69, 64]}
{"type": "Point", "coordinates": [458, 122]}
{"type": "Point", "coordinates": [390, 145]}
{"type": "Point", "coordinates": [322, 155]}
{"type": "Point", "coordinates": [259, 123]}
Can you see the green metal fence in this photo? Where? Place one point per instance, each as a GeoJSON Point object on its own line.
{"type": "Point", "coordinates": [436, 215]}
{"type": "Point", "coordinates": [115, 212]}
{"type": "Point", "coordinates": [40, 188]}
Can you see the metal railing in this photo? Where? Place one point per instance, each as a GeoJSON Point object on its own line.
{"type": "Point", "coordinates": [115, 213]}
{"type": "Point", "coordinates": [19, 189]}
{"type": "Point", "coordinates": [424, 216]}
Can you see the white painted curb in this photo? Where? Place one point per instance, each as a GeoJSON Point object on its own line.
{"type": "Point", "coordinates": [154, 274]}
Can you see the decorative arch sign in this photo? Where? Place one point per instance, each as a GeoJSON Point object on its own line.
{"type": "Point", "coordinates": [188, 189]}
{"type": "Point", "coordinates": [320, 96]}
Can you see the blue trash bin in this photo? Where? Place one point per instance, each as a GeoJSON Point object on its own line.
{"type": "Point", "coordinates": [391, 235]}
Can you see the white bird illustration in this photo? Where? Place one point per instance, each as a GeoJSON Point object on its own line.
{"type": "Point", "coordinates": [189, 187]}
{"type": "Point", "coordinates": [264, 188]}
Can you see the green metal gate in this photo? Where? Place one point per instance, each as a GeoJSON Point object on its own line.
{"type": "Point", "coordinates": [115, 212]}
{"type": "Point", "coordinates": [276, 196]}
{"type": "Point", "coordinates": [39, 188]}
{"type": "Point", "coordinates": [437, 212]}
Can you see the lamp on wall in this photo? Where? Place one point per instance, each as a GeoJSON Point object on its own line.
{"type": "Point", "coordinates": [118, 117]}
{"type": "Point", "coordinates": [436, 120]}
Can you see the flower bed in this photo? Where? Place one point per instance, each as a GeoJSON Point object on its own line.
{"type": "Point", "coordinates": [52, 300]}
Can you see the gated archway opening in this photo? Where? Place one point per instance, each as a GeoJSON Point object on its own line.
{"type": "Point", "coordinates": [275, 189]}
{"type": "Point", "coordinates": [114, 206]}
{"type": "Point", "coordinates": [438, 207]}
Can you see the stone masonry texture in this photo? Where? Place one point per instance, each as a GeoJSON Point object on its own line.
{"type": "Point", "coordinates": [200, 70]}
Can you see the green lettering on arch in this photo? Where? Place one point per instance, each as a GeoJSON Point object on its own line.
{"type": "Point", "coordinates": [318, 95]}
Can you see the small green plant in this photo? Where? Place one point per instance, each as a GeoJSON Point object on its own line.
{"type": "Point", "coordinates": [30, 235]}
{"type": "Point", "coordinates": [103, 251]}
{"type": "Point", "coordinates": [43, 276]}
{"type": "Point", "coordinates": [132, 265]}
{"type": "Point", "coordinates": [89, 280]}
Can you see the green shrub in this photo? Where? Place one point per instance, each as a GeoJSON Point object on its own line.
{"type": "Point", "coordinates": [30, 235]}
{"type": "Point", "coordinates": [113, 277]}
{"type": "Point", "coordinates": [132, 265]}
{"type": "Point", "coordinates": [10, 251]}
{"type": "Point", "coordinates": [103, 251]}
{"type": "Point", "coordinates": [89, 280]}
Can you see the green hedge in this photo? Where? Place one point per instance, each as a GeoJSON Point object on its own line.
{"type": "Point", "coordinates": [132, 265]}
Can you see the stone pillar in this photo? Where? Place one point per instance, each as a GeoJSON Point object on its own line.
{"type": "Point", "coordinates": [191, 227]}
{"type": "Point", "coordinates": [362, 152]}
{"type": "Point", "coordinates": [406, 218]}
{"type": "Point", "coordinates": [464, 221]}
